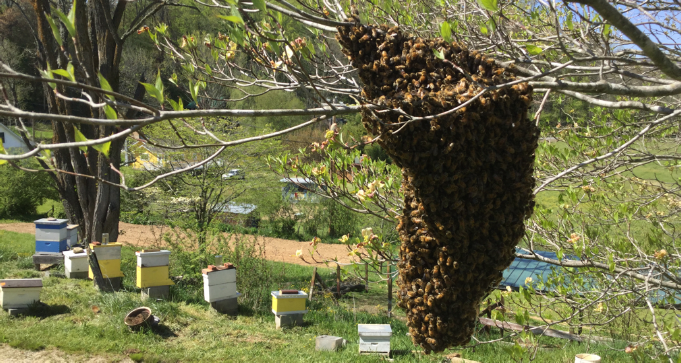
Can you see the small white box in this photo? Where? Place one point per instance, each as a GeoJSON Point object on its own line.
{"type": "Point", "coordinates": [219, 292]}
{"type": "Point", "coordinates": [19, 293]}
{"type": "Point", "coordinates": [72, 234]}
{"type": "Point", "coordinates": [108, 252]}
{"type": "Point", "coordinates": [374, 338]}
{"type": "Point", "coordinates": [219, 277]}
{"type": "Point", "coordinates": [75, 262]}
{"type": "Point", "coordinates": [153, 259]}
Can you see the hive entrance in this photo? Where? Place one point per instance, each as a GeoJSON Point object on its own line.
{"type": "Point", "coordinates": [467, 175]}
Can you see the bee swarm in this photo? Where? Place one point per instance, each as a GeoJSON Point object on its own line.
{"type": "Point", "coordinates": [467, 176]}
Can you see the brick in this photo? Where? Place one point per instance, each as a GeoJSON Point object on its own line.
{"type": "Point", "coordinates": [228, 306]}
{"type": "Point", "coordinates": [156, 292]}
{"type": "Point", "coordinates": [328, 343]}
{"type": "Point", "coordinates": [288, 320]}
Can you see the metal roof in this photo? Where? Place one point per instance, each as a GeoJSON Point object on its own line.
{"type": "Point", "coordinates": [297, 180]}
{"type": "Point", "coordinates": [238, 208]}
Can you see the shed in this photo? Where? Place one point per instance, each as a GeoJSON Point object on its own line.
{"type": "Point", "coordinates": [12, 142]}
{"type": "Point", "coordinates": [240, 214]}
{"type": "Point", "coordinates": [297, 189]}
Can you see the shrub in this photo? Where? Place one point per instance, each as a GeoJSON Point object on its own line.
{"type": "Point", "coordinates": [22, 192]}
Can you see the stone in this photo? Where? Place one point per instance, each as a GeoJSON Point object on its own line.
{"type": "Point", "coordinates": [328, 343]}
{"type": "Point", "coordinates": [109, 285]}
{"type": "Point", "coordinates": [156, 292]}
{"type": "Point", "coordinates": [288, 320]}
{"type": "Point", "coordinates": [227, 306]}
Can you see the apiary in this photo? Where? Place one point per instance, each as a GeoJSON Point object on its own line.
{"type": "Point", "coordinates": [71, 235]}
{"type": "Point", "coordinates": [219, 288]}
{"type": "Point", "coordinates": [153, 273]}
{"type": "Point", "coordinates": [374, 338]}
{"type": "Point", "coordinates": [50, 235]}
{"type": "Point", "coordinates": [19, 293]}
{"type": "Point", "coordinates": [76, 264]}
{"type": "Point", "coordinates": [288, 302]}
{"type": "Point", "coordinates": [109, 258]}
{"type": "Point", "coordinates": [467, 153]}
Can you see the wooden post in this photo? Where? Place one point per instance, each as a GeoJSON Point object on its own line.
{"type": "Point", "coordinates": [314, 274]}
{"type": "Point", "coordinates": [338, 272]}
{"type": "Point", "coordinates": [390, 290]}
{"type": "Point", "coordinates": [366, 277]}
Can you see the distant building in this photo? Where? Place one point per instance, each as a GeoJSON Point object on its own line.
{"type": "Point", "coordinates": [12, 142]}
{"type": "Point", "coordinates": [239, 214]}
{"type": "Point", "coordinates": [142, 156]}
{"type": "Point", "coordinates": [296, 189]}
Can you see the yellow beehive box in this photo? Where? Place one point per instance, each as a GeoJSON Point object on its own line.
{"type": "Point", "coordinates": [153, 276]}
{"type": "Point", "coordinates": [110, 269]}
{"type": "Point", "coordinates": [286, 304]}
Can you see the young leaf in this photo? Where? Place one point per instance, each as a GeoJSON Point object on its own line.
{"type": "Point", "coordinates": [62, 73]}
{"type": "Point", "coordinates": [72, 17]}
{"type": "Point", "coordinates": [79, 138]}
{"type": "Point", "coordinates": [490, 5]}
{"type": "Point", "coordinates": [260, 4]}
{"type": "Point", "coordinates": [110, 112]}
{"type": "Point", "coordinates": [48, 74]}
{"type": "Point", "coordinates": [446, 31]}
{"type": "Point", "coordinates": [438, 54]}
{"type": "Point", "coordinates": [153, 91]}
{"type": "Point", "coordinates": [159, 83]}
{"type": "Point", "coordinates": [208, 70]}
{"type": "Point", "coordinates": [232, 18]}
{"type": "Point", "coordinates": [105, 86]}
{"type": "Point", "coordinates": [568, 21]}
{"type": "Point", "coordinates": [103, 148]}
{"type": "Point", "coordinates": [67, 23]}
{"type": "Point", "coordinates": [55, 30]}
{"type": "Point", "coordinates": [533, 49]}
{"type": "Point", "coordinates": [483, 30]}
{"type": "Point", "coordinates": [606, 30]}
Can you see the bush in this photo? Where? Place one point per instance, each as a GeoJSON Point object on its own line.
{"type": "Point", "coordinates": [22, 192]}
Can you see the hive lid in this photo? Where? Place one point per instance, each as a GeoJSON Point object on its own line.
{"type": "Point", "coordinates": [152, 253]}
{"type": "Point", "coordinates": [71, 226]}
{"type": "Point", "coordinates": [51, 221]}
{"type": "Point", "coordinates": [213, 268]}
{"type": "Point", "coordinates": [73, 255]}
{"type": "Point", "coordinates": [374, 330]}
{"type": "Point", "coordinates": [10, 283]}
{"type": "Point", "coordinates": [111, 244]}
{"type": "Point", "coordinates": [299, 295]}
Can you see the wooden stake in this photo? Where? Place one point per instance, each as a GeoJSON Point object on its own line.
{"type": "Point", "coordinates": [390, 290]}
{"type": "Point", "coordinates": [338, 280]}
{"type": "Point", "coordinates": [366, 276]}
{"type": "Point", "coordinates": [94, 265]}
{"type": "Point", "coordinates": [314, 274]}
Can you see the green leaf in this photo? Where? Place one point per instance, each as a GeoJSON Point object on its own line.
{"type": "Point", "coordinates": [72, 17]}
{"type": "Point", "coordinates": [55, 30]}
{"type": "Point", "coordinates": [446, 31]}
{"type": "Point", "coordinates": [483, 30]}
{"type": "Point", "coordinates": [48, 74]}
{"type": "Point", "coordinates": [232, 18]}
{"type": "Point", "coordinates": [105, 86]}
{"type": "Point", "coordinates": [67, 23]}
{"type": "Point", "coordinates": [260, 4]}
{"type": "Point", "coordinates": [208, 70]}
{"type": "Point", "coordinates": [533, 49]}
{"type": "Point", "coordinates": [568, 21]}
{"type": "Point", "coordinates": [438, 54]}
{"type": "Point", "coordinates": [159, 83]}
{"type": "Point", "coordinates": [79, 138]}
{"type": "Point", "coordinates": [611, 263]}
{"type": "Point", "coordinates": [110, 112]}
{"type": "Point", "coordinates": [606, 30]}
{"type": "Point", "coordinates": [153, 91]}
{"type": "Point", "coordinates": [490, 5]}
{"type": "Point", "coordinates": [103, 148]}
{"type": "Point", "coordinates": [63, 73]}
{"type": "Point", "coordinates": [177, 106]}
{"type": "Point", "coordinates": [161, 28]}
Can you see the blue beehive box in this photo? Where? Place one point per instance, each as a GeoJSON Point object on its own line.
{"type": "Point", "coordinates": [50, 235]}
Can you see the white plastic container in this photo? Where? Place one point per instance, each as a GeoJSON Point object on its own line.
{"type": "Point", "coordinates": [19, 293]}
{"type": "Point", "coordinates": [50, 229]}
{"type": "Point", "coordinates": [587, 358]}
{"type": "Point", "coordinates": [219, 277]}
{"type": "Point", "coordinates": [153, 259]}
{"type": "Point", "coordinates": [72, 234]}
{"type": "Point", "coordinates": [75, 262]}
{"type": "Point", "coordinates": [219, 292]}
{"type": "Point", "coordinates": [374, 338]}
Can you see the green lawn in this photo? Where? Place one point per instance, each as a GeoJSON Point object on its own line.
{"type": "Point", "coordinates": [191, 332]}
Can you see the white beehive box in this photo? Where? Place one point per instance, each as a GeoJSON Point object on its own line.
{"type": "Point", "coordinates": [75, 262]}
{"type": "Point", "coordinates": [219, 277]}
{"type": "Point", "coordinates": [72, 234]}
{"type": "Point", "coordinates": [153, 259]}
{"type": "Point", "coordinates": [50, 229]}
{"type": "Point", "coordinates": [219, 285]}
{"type": "Point", "coordinates": [374, 338]}
{"type": "Point", "coordinates": [19, 293]}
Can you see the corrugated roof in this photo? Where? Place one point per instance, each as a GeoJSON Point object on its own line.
{"type": "Point", "coordinates": [238, 208]}
{"type": "Point", "coordinates": [297, 180]}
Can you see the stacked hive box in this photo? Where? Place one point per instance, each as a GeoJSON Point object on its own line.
{"type": "Point", "coordinates": [50, 235]}
{"type": "Point", "coordinates": [374, 338]}
{"type": "Point", "coordinates": [76, 264]}
{"type": "Point", "coordinates": [219, 288]}
{"type": "Point", "coordinates": [109, 258]}
{"type": "Point", "coordinates": [288, 307]}
{"type": "Point", "coordinates": [72, 235]}
{"type": "Point", "coordinates": [19, 294]}
{"type": "Point", "coordinates": [153, 272]}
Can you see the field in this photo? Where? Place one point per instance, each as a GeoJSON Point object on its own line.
{"type": "Point", "coordinates": [79, 320]}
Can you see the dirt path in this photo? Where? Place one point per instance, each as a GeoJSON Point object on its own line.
{"type": "Point", "coordinates": [51, 355]}
{"type": "Point", "coordinates": [276, 249]}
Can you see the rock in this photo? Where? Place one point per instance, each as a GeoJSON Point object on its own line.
{"type": "Point", "coordinates": [328, 343]}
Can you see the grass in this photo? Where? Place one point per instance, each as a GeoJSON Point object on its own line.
{"type": "Point", "coordinates": [190, 331]}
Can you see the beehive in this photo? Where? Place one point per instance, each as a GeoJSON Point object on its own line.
{"type": "Point", "coordinates": [72, 235]}
{"type": "Point", "coordinates": [50, 235]}
{"type": "Point", "coordinates": [467, 173]}
{"type": "Point", "coordinates": [75, 262]}
{"type": "Point", "coordinates": [19, 293]}
{"type": "Point", "coordinates": [219, 284]}
{"type": "Point", "coordinates": [288, 304]}
{"type": "Point", "coordinates": [153, 268]}
{"type": "Point", "coordinates": [374, 338]}
{"type": "Point", "coordinates": [109, 258]}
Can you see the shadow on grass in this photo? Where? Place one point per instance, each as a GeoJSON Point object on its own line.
{"type": "Point", "coordinates": [42, 310]}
